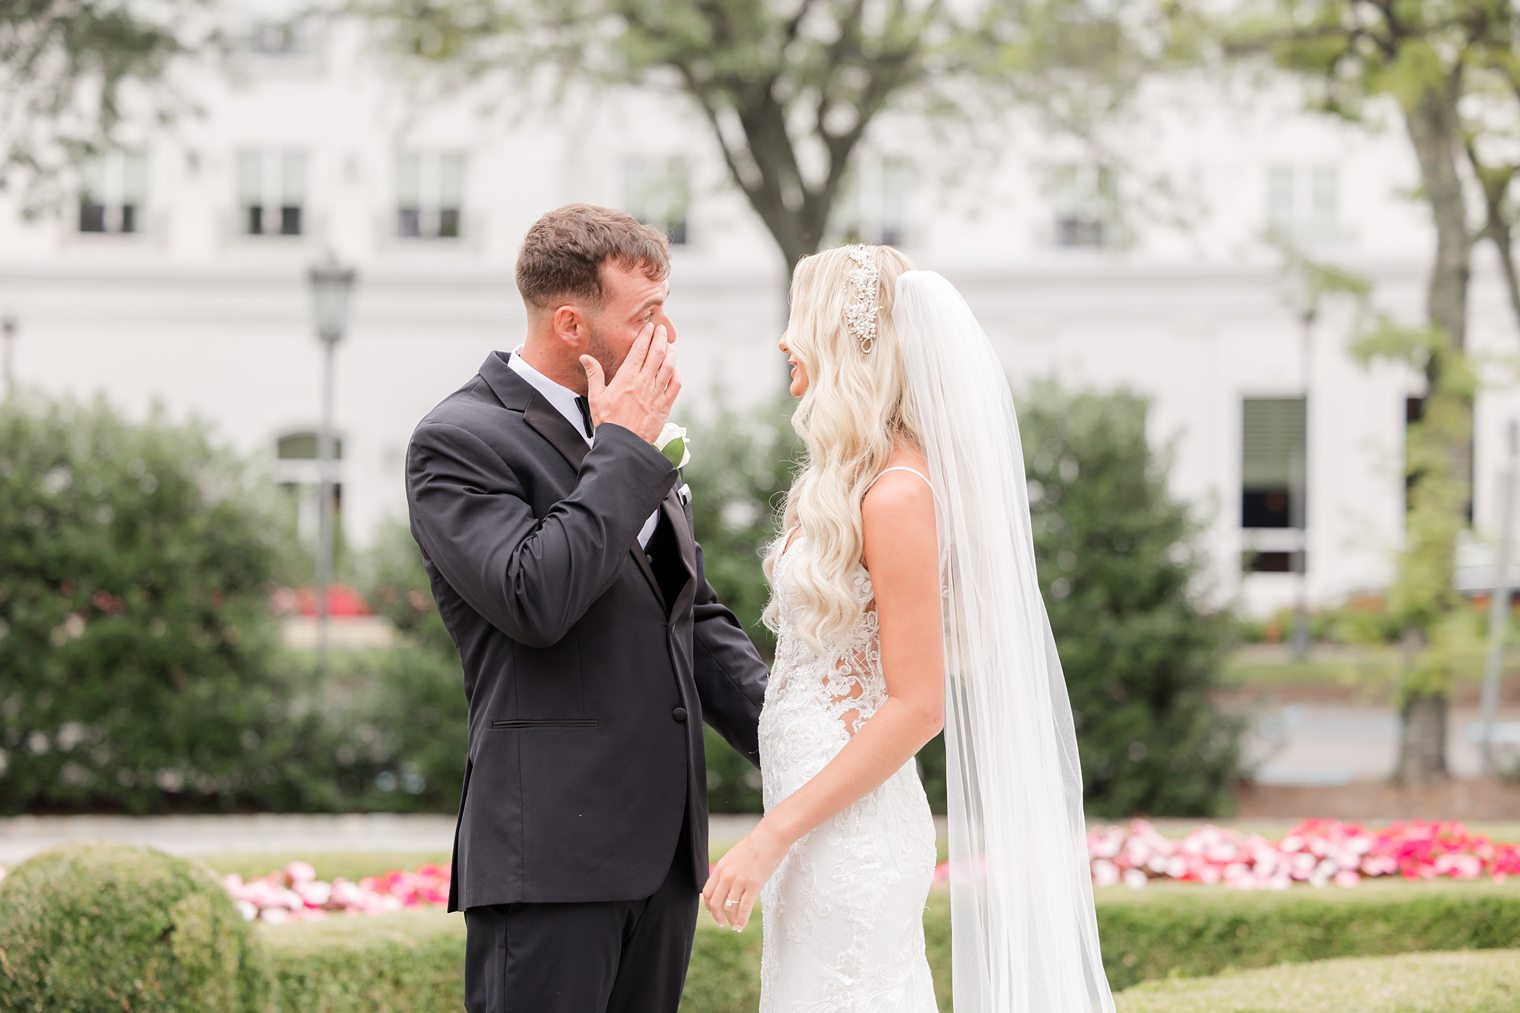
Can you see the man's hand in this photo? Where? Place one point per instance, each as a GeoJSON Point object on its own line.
{"type": "Point", "coordinates": [640, 395]}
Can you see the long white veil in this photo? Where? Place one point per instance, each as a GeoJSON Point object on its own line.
{"type": "Point", "coordinates": [1025, 937]}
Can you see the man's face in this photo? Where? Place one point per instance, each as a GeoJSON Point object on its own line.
{"type": "Point", "coordinates": [631, 301]}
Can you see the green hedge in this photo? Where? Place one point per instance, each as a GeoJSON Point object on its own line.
{"type": "Point", "coordinates": [1462, 982]}
{"type": "Point", "coordinates": [90, 927]}
{"type": "Point", "coordinates": [413, 960]}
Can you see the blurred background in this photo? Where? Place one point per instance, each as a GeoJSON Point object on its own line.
{"type": "Point", "coordinates": [1249, 266]}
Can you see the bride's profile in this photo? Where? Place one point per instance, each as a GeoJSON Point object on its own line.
{"type": "Point", "coordinates": [904, 597]}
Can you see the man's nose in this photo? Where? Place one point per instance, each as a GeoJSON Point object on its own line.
{"type": "Point", "coordinates": [670, 328]}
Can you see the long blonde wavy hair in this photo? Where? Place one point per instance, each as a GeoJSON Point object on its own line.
{"type": "Point", "coordinates": [851, 416]}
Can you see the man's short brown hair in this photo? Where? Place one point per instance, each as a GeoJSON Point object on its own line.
{"type": "Point", "coordinates": [563, 253]}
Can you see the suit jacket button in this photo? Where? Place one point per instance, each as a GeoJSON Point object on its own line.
{"type": "Point", "coordinates": [679, 713]}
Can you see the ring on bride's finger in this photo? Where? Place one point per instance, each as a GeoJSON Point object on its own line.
{"type": "Point", "coordinates": [730, 903]}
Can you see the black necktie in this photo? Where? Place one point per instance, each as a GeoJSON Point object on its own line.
{"type": "Point", "coordinates": [585, 407]}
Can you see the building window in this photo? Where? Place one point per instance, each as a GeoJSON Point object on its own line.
{"type": "Point", "coordinates": [113, 190]}
{"type": "Point", "coordinates": [1083, 198]}
{"type": "Point", "coordinates": [872, 208]}
{"type": "Point", "coordinates": [298, 472]}
{"type": "Point", "coordinates": [1303, 202]}
{"type": "Point", "coordinates": [429, 195]}
{"type": "Point", "coordinates": [1273, 493]}
{"type": "Point", "coordinates": [271, 193]}
{"type": "Point", "coordinates": [1414, 411]}
{"type": "Point", "coordinates": [658, 192]}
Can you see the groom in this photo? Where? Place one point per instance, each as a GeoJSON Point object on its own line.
{"type": "Point", "coordinates": [561, 555]}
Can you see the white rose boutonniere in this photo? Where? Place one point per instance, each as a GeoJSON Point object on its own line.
{"type": "Point", "coordinates": [672, 443]}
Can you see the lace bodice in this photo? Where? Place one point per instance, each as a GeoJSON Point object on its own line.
{"type": "Point", "coordinates": [843, 915]}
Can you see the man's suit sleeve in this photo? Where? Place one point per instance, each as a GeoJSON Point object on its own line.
{"type": "Point", "coordinates": [729, 673]}
{"type": "Point", "coordinates": [532, 578]}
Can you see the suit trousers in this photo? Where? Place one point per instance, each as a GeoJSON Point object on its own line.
{"type": "Point", "coordinates": [626, 956]}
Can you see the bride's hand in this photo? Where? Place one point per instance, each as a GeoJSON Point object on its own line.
{"type": "Point", "coordinates": [735, 883]}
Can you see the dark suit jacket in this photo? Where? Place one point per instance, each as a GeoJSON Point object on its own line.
{"type": "Point", "coordinates": [586, 686]}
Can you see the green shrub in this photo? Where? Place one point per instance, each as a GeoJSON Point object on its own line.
{"type": "Point", "coordinates": [88, 927]}
{"type": "Point", "coordinates": [414, 960]}
{"type": "Point", "coordinates": [394, 583]}
{"type": "Point", "coordinates": [1121, 569]}
{"type": "Point", "coordinates": [136, 562]}
{"type": "Point", "coordinates": [1460, 982]}
{"type": "Point", "coordinates": [395, 719]}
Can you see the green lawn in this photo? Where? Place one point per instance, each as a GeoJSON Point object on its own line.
{"type": "Point", "coordinates": [1464, 981]}
{"type": "Point", "coordinates": [1366, 670]}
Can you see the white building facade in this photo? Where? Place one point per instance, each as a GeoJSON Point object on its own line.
{"type": "Point", "coordinates": [179, 276]}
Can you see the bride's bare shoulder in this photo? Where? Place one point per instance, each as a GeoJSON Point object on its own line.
{"type": "Point", "coordinates": [898, 500]}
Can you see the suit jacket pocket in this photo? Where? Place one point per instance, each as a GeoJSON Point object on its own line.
{"type": "Point", "coordinates": [546, 723]}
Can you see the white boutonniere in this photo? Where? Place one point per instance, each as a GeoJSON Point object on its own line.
{"type": "Point", "coordinates": [672, 443]}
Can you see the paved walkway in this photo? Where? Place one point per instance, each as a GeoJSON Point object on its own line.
{"type": "Point", "coordinates": [22, 836]}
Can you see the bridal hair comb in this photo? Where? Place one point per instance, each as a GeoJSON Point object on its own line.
{"type": "Point", "coordinates": [860, 312]}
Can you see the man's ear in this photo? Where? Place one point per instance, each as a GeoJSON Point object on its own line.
{"type": "Point", "coordinates": [569, 326]}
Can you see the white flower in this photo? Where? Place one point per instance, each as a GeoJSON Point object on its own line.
{"type": "Point", "coordinates": [673, 444]}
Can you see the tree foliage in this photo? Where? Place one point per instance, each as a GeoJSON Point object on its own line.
{"type": "Point", "coordinates": [789, 89]}
{"type": "Point", "coordinates": [71, 70]}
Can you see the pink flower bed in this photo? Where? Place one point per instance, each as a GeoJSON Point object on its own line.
{"type": "Point", "coordinates": [296, 892]}
{"type": "Point", "coordinates": [1317, 852]}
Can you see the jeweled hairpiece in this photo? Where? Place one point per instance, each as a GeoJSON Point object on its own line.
{"type": "Point", "coordinates": [860, 312]}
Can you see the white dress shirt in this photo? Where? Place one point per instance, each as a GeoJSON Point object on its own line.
{"type": "Point", "coordinates": [563, 400]}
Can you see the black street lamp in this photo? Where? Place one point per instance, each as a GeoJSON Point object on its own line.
{"type": "Point", "coordinates": [331, 286]}
{"type": "Point", "coordinates": [8, 328]}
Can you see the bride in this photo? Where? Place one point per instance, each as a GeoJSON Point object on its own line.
{"type": "Point", "coordinates": [905, 601]}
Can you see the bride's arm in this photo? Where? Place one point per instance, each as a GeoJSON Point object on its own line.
{"type": "Point", "coordinates": [902, 556]}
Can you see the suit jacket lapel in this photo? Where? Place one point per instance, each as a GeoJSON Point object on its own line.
{"type": "Point", "coordinates": [675, 516]}
{"type": "Point", "coordinates": [551, 425]}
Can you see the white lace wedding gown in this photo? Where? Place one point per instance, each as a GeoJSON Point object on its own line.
{"type": "Point", "coordinates": [843, 915]}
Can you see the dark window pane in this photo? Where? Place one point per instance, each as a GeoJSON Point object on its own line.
{"type": "Point", "coordinates": [448, 223]}
{"type": "Point", "coordinates": [890, 236]}
{"type": "Point", "coordinates": [92, 217]}
{"type": "Point", "coordinates": [409, 223]}
{"type": "Point", "coordinates": [1268, 562]}
{"type": "Point", "coordinates": [677, 233]}
{"type": "Point", "coordinates": [253, 220]}
{"type": "Point", "coordinates": [129, 218]}
{"type": "Point", "coordinates": [1266, 508]}
{"type": "Point", "coordinates": [290, 221]}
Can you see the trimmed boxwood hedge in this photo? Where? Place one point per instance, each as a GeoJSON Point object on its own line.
{"type": "Point", "coordinates": [413, 960]}
{"type": "Point", "coordinates": [90, 927]}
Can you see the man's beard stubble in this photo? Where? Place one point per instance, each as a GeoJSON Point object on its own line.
{"type": "Point", "coordinates": [606, 355]}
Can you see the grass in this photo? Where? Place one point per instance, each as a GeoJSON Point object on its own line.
{"type": "Point", "coordinates": [1470, 981]}
{"type": "Point", "coordinates": [350, 865]}
{"type": "Point", "coordinates": [1369, 669]}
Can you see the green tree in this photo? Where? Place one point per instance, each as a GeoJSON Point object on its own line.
{"type": "Point", "coordinates": [1449, 72]}
{"type": "Point", "coordinates": [790, 88]}
{"type": "Point", "coordinates": [73, 72]}
{"type": "Point", "coordinates": [136, 638]}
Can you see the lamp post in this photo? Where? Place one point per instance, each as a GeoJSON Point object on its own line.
{"type": "Point", "coordinates": [331, 286]}
{"type": "Point", "coordinates": [8, 328]}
